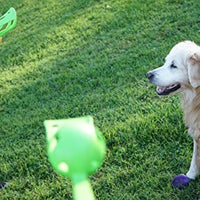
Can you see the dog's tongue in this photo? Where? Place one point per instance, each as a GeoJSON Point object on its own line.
{"type": "Point", "coordinates": [161, 90]}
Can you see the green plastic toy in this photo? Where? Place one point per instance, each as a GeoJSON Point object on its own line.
{"type": "Point", "coordinates": [76, 149]}
{"type": "Point", "coordinates": [8, 21]}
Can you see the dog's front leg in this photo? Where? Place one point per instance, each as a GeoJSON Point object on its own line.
{"type": "Point", "coordinates": [195, 163]}
{"type": "Point", "coordinates": [182, 180]}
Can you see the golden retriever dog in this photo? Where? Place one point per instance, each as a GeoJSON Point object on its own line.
{"type": "Point", "coordinates": [181, 74]}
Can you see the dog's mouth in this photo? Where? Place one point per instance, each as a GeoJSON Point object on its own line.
{"type": "Point", "coordinates": [168, 89]}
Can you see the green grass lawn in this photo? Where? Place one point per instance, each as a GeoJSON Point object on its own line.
{"type": "Point", "coordinates": [71, 58]}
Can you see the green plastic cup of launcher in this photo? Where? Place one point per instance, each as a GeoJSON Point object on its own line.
{"type": "Point", "coordinates": [8, 21]}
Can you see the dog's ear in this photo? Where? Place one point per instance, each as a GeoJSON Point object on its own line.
{"type": "Point", "coordinates": [194, 69]}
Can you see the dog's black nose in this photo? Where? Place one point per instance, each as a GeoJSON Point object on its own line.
{"type": "Point", "coordinates": [150, 75]}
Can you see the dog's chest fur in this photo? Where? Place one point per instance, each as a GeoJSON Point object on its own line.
{"type": "Point", "coordinates": [190, 102]}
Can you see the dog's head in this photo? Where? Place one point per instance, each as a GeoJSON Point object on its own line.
{"type": "Point", "coordinates": [180, 70]}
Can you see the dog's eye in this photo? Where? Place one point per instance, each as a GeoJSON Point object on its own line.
{"type": "Point", "coordinates": [173, 66]}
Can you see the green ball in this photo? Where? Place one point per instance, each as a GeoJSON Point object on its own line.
{"type": "Point", "coordinates": [75, 147]}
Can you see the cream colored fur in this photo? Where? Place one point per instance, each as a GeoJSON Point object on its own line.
{"type": "Point", "coordinates": [185, 56]}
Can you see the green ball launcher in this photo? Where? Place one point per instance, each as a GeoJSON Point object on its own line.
{"type": "Point", "coordinates": [76, 149]}
{"type": "Point", "coordinates": [8, 21]}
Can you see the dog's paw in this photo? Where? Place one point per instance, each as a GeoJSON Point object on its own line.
{"type": "Point", "coordinates": [180, 181]}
